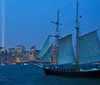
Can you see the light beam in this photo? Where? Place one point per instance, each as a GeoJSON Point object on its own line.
{"type": "Point", "coordinates": [3, 22]}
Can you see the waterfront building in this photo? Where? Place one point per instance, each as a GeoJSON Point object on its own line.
{"type": "Point", "coordinates": [37, 52]}
{"type": "Point", "coordinates": [18, 55]}
{"type": "Point", "coordinates": [37, 58]}
{"type": "Point", "coordinates": [11, 57]}
{"type": "Point", "coordinates": [20, 48]}
{"type": "Point", "coordinates": [17, 60]}
{"type": "Point", "coordinates": [11, 50]}
{"type": "Point", "coordinates": [32, 53]}
{"type": "Point", "coordinates": [33, 50]}
{"type": "Point", "coordinates": [1, 49]}
{"type": "Point", "coordinates": [1, 55]}
{"type": "Point", "coordinates": [25, 56]}
{"type": "Point", "coordinates": [31, 57]}
{"type": "Point", "coordinates": [6, 57]}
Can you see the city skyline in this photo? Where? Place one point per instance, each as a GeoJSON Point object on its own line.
{"type": "Point", "coordinates": [28, 22]}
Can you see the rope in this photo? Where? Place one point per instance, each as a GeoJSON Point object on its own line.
{"type": "Point", "coordinates": [67, 26]}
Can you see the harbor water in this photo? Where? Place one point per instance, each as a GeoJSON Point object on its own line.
{"type": "Point", "coordinates": [33, 75]}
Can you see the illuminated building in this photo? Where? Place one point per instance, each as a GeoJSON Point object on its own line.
{"type": "Point", "coordinates": [6, 57]}
{"type": "Point", "coordinates": [33, 50]}
{"type": "Point", "coordinates": [37, 58]}
{"type": "Point", "coordinates": [31, 57]}
{"type": "Point", "coordinates": [20, 48]}
{"type": "Point", "coordinates": [18, 60]}
{"type": "Point", "coordinates": [18, 55]}
{"type": "Point", "coordinates": [1, 49]}
{"type": "Point", "coordinates": [32, 53]}
{"type": "Point", "coordinates": [11, 50]}
{"type": "Point", "coordinates": [11, 55]}
{"type": "Point", "coordinates": [25, 56]}
{"type": "Point", "coordinates": [37, 52]}
{"type": "Point", "coordinates": [1, 55]}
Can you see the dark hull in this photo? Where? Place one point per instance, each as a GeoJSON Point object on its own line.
{"type": "Point", "coordinates": [95, 73]}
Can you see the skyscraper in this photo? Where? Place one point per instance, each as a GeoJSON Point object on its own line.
{"type": "Point", "coordinates": [33, 50]}
{"type": "Point", "coordinates": [1, 49]}
{"type": "Point", "coordinates": [11, 50]}
{"type": "Point", "coordinates": [1, 55]}
{"type": "Point", "coordinates": [20, 48]}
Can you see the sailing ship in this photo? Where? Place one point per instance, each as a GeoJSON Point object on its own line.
{"type": "Point", "coordinates": [80, 63]}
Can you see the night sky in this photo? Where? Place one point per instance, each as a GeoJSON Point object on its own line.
{"type": "Point", "coordinates": [27, 22]}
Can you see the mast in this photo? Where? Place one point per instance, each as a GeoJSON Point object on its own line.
{"type": "Point", "coordinates": [57, 35]}
{"type": "Point", "coordinates": [77, 34]}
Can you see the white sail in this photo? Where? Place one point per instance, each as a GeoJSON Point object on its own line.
{"type": "Point", "coordinates": [89, 48]}
{"type": "Point", "coordinates": [47, 56]}
{"type": "Point", "coordinates": [44, 48]}
{"type": "Point", "coordinates": [66, 52]}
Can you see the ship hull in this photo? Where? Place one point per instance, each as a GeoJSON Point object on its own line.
{"type": "Point", "coordinates": [94, 73]}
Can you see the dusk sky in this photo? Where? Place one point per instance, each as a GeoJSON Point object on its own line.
{"type": "Point", "coordinates": [27, 22]}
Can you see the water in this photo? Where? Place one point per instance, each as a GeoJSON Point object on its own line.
{"type": "Point", "coordinates": [33, 75]}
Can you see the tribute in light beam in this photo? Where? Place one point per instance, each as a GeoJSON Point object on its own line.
{"type": "Point", "coordinates": [3, 23]}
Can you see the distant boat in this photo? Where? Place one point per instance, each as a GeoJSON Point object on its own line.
{"type": "Point", "coordinates": [69, 64]}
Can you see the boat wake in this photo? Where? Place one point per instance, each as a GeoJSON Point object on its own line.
{"type": "Point", "coordinates": [39, 65]}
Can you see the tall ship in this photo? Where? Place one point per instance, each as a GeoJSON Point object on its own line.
{"type": "Point", "coordinates": [69, 62]}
